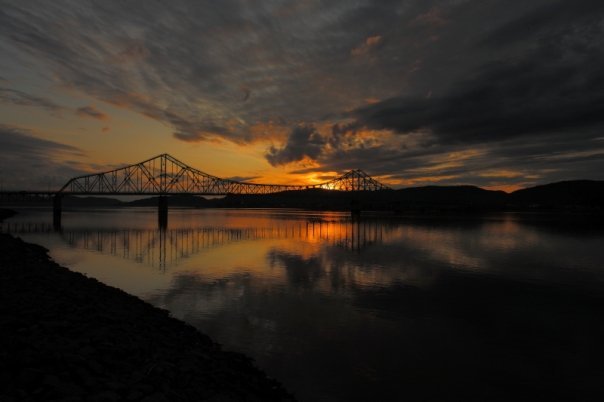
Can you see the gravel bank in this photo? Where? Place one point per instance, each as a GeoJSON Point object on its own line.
{"type": "Point", "coordinates": [64, 336]}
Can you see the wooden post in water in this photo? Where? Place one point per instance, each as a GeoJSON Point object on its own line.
{"type": "Point", "coordinates": [56, 212]}
{"type": "Point", "coordinates": [162, 212]}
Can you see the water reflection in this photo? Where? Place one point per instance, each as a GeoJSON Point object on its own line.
{"type": "Point", "coordinates": [167, 247]}
{"type": "Point", "coordinates": [483, 309]}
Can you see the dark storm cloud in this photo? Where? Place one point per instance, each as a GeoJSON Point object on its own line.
{"type": "Point", "coordinates": [543, 97]}
{"type": "Point", "coordinates": [303, 142]}
{"type": "Point", "coordinates": [33, 163]}
{"type": "Point", "coordinates": [544, 92]}
{"type": "Point", "coordinates": [545, 19]}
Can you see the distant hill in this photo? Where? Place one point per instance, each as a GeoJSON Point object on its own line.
{"type": "Point", "coordinates": [469, 195]}
{"type": "Point", "coordinates": [73, 201]}
{"type": "Point", "coordinates": [579, 194]}
{"type": "Point", "coordinates": [456, 197]}
{"type": "Point", "coordinates": [576, 193]}
{"type": "Point", "coordinates": [183, 200]}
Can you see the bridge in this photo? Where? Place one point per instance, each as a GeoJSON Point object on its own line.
{"type": "Point", "coordinates": [164, 175]}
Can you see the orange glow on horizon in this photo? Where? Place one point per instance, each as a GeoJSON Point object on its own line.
{"type": "Point", "coordinates": [508, 188]}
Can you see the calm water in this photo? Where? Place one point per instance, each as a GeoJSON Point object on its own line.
{"type": "Point", "coordinates": [376, 309]}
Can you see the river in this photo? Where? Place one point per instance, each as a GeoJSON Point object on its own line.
{"type": "Point", "coordinates": [370, 309]}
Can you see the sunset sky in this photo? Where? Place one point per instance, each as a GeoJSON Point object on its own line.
{"type": "Point", "coordinates": [496, 93]}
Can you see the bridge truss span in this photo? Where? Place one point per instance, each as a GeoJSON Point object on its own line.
{"type": "Point", "coordinates": [165, 174]}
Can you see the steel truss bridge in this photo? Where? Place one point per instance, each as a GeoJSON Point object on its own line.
{"type": "Point", "coordinates": [166, 175]}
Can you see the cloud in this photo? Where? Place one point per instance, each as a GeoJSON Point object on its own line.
{"type": "Point", "coordinates": [242, 178]}
{"type": "Point", "coordinates": [21, 98]}
{"type": "Point", "coordinates": [246, 93]}
{"type": "Point", "coordinates": [91, 112]}
{"type": "Point", "coordinates": [494, 105]}
{"type": "Point", "coordinates": [367, 45]}
{"type": "Point", "coordinates": [188, 128]}
{"type": "Point", "coordinates": [433, 17]}
{"type": "Point", "coordinates": [545, 21]}
{"type": "Point", "coordinates": [136, 51]}
{"type": "Point", "coordinates": [419, 159]}
{"type": "Point", "coordinates": [20, 142]}
{"type": "Point", "coordinates": [32, 163]}
{"type": "Point", "coordinates": [303, 142]}
{"type": "Point", "coordinates": [519, 82]}
{"type": "Point", "coordinates": [190, 62]}
{"type": "Point", "coordinates": [545, 100]}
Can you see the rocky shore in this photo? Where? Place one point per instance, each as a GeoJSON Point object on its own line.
{"type": "Point", "coordinates": [67, 337]}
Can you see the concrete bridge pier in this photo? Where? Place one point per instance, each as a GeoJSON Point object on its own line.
{"type": "Point", "coordinates": [56, 212]}
{"type": "Point", "coordinates": [162, 212]}
{"type": "Point", "coordinates": [355, 209]}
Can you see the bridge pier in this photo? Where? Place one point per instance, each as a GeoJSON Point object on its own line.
{"type": "Point", "coordinates": [355, 209]}
{"type": "Point", "coordinates": [56, 212]}
{"type": "Point", "coordinates": [162, 212]}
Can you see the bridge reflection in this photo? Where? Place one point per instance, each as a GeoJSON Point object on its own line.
{"type": "Point", "coordinates": [165, 248]}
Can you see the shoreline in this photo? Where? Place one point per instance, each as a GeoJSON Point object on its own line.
{"type": "Point", "coordinates": [66, 336]}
